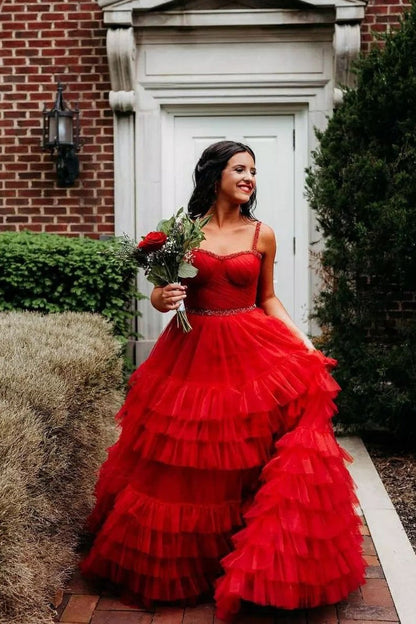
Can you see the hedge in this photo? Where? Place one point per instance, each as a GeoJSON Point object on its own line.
{"type": "Point", "coordinates": [51, 273]}
{"type": "Point", "coordinates": [60, 379]}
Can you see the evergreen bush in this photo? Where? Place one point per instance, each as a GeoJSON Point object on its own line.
{"type": "Point", "coordinates": [51, 273]}
{"type": "Point", "coordinates": [363, 189]}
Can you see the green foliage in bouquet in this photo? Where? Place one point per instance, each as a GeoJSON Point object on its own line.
{"type": "Point", "coordinates": [166, 255]}
{"type": "Point", "coordinates": [363, 190]}
{"type": "Point", "coordinates": [51, 273]}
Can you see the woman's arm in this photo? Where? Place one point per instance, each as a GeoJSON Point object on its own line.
{"type": "Point", "coordinates": [167, 298]}
{"type": "Point", "coordinates": [266, 298]}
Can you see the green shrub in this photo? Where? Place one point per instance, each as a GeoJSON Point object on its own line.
{"type": "Point", "coordinates": [363, 189]}
{"type": "Point", "coordinates": [60, 377]}
{"type": "Point", "coordinates": [51, 273]}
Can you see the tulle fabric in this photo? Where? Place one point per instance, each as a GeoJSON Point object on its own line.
{"type": "Point", "coordinates": [227, 466]}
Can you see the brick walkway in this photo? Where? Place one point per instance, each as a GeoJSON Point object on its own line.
{"type": "Point", "coordinates": [371, 604]}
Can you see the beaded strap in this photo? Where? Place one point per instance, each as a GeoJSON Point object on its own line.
{"type": "Point", "coordinates": [227, 312]}
{"type": "Point", "coordinates": [256, 236]}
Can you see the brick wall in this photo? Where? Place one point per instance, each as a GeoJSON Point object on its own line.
{"type": "Point", "coordinates": [41, 43]}
{"type": "Point", "coordinates": [380, 15]}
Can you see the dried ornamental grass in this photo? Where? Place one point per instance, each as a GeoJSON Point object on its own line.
{"type": "Point", "coordinates": [60, 385]}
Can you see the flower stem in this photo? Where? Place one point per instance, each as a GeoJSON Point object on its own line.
{"type": "Point", "coordinates": [182, 321]}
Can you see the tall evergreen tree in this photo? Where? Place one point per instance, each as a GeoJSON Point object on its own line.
{"type": "Point", "coordinates": [363, 189]}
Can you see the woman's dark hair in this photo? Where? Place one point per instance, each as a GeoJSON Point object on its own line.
{"type": "Point", "coordinates": [208, 172]}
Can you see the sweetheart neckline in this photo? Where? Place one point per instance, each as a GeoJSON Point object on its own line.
{"type": "Point", "coordinates": [230, 255]}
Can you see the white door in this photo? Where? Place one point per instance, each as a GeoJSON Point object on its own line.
{"type": "Point", "coordinates": [272, 139]}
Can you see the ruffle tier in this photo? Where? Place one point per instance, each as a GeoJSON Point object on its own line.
{"type": "Point", "coordinates": [301, 546]}
{"type": "Point", "coordinates": [202, 418]}
{"type": "Point", "coordinates": [156, 550]}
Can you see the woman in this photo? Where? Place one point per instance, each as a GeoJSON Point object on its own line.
{"type": "Point", "coordinates": [243, 393]}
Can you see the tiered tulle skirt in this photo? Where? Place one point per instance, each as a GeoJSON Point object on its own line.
{"type": "Point", "coordinates": [227, 466]}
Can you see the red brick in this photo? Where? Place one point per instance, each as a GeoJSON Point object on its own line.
{"type": "Point", "coordinates": [376, 592]}
{"type": "Point", "coordinates": [202, 614]}
{"type": "Point", "coordinates": [364, 529]}
{"type": "Point", "coordinates": [107, 603]}
{"type": "Point", "coordinates": [368, 546]}
{"type": "Point", "coordinates": [19, 219]}
{"type": "Point", "coordinates": [367, 612]}
{"type": "Point", "coordinates": [354, 598]}
{"type": "Point", "coordinates": [246, 619]}
{"type": "Point", "coordinates": [53, 227]}
{"type": "Point", "coordinates": [371, 560]}
{"type": "Point", "coordinates": [168, 615]}
{"type": "Point", "coordinates": [58, 598]}
{"type": "Point", "coordinates": [79, 609]}
{"type": "Point", "coordinates": [79, 585]}
{"type": "Point", "coordinates": [121, 617]}
{"type": "Point", "coordinates": [323, 615]}
{"type": "Point", "coordinates": [387, 19]}
{"type": "Point", "coordinates": [375, 571]}
{"type": "Point", "coordinates": [359, 622]}
{"type": "Point", "coordinates": [291, 617]}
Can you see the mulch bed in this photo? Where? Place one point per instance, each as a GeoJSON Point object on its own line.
{"type": "Point", "coordinates": [397, 469]}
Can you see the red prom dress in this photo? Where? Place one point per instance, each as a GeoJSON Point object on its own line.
{"type": "Point", "coordinates": [226, 473]}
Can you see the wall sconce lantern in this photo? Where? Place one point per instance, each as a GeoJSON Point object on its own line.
{"type": "Point", "coordinates": [61, 133]}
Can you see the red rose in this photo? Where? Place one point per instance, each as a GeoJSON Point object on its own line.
{"type": "Point", "coordinates": [152, 241]}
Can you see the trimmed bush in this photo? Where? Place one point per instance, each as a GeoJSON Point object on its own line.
{"type": "Point", "coordinates": [51, 273]}
{"type": "Point", "coordinates": [60, 380]}
{"type": "Point", "coordinates": [363, 189]}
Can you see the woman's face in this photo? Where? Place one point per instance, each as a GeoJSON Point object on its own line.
{"type": "Point", "coordinates": [238, 179]}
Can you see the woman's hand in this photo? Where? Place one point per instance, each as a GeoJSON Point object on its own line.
{"type": "Point", "coordinates": [308, 343]}
{"type": "Point", "coordinates": [167, 298]}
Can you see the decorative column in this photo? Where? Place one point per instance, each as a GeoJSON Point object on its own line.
{"type": "Point", "coordinates": [347, 43]}
{"type": "Point", "coordinates": [121, 50]}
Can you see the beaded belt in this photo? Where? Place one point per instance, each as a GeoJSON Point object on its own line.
{"type": "Point", "coordinates": [228, 312]}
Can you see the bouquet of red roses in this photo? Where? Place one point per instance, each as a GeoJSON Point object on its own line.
{"type": "Point", "coordinates": [166, 254]}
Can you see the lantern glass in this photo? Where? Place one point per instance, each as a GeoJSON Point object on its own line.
{"type": "Point", "coordinates": [52, 129]}
{"type": "Point", "coordinates": [60, 129]}
{"type": "Point", "coordinates": [65, 129]}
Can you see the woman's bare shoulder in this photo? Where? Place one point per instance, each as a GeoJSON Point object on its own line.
{"type": "Point", "coordinates": [267, 238]}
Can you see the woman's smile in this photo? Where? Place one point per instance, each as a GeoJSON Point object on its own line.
{"type": "Point", "coordinates": [246, 188]}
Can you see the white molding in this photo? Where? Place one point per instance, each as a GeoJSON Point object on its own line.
{"type": "Point", "coordinates": [121, 51]}
{"type": "Point", "coordinates": [347, 43]}
{"type": "Point", "coordinates": [145, 5]}
{"type": "Point", "coordinates": [244, 84]}
{"type": "Point", "coordinates": [302, 221]}
{"type": "Point", "coordinates": [124, 175]}
{"type": "Point", "coordinates": [136, 12]}
{"type": "Point", "coordinates": [292, 34]}
{"type": "Point", "coordinates": [233, 17]}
